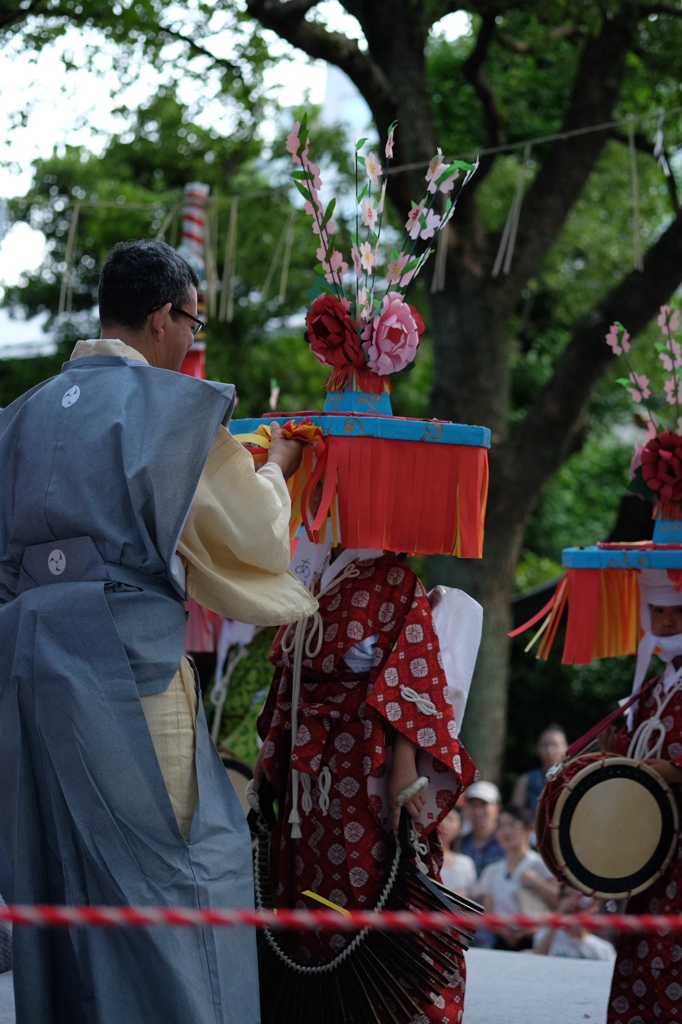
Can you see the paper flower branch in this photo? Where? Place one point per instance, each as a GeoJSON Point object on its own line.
{"type": "Point", "coordinates": [375, 332]}
{"type": "Point", "coordinates": [657, 464]}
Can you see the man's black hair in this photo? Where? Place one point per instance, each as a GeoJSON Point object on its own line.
{"type": "Point", "coordinates": [521, 814]}
{"type": "Point", "coordinates": [138, 277]}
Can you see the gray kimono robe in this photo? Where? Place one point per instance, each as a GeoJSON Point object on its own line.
{"type": "Point", "coordinates": [98, 467]}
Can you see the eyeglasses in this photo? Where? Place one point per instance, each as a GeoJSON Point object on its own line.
{"type": "Point", "coordinates": [198, 325]}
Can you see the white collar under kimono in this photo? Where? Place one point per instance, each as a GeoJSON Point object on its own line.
{"type": "Point", "coordinates": [105, 347]}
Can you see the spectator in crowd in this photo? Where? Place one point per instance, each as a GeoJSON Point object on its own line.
{"type": "Point", "coordinates": [482, 810]}
{"type": "Point", "coordinates": [575, 942]}
{"type": "Point", "coordinates": [551, 749]}
{"type": "Point", "coordinates": [459, 871]}
{"type": "Point", "coordinates": [518, 884]}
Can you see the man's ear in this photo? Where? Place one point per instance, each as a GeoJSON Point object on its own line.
{"type": "Point", "coordinates": [157, 320]}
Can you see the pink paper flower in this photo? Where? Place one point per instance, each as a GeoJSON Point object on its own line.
{"type": "Point", "coordinates": [293, 142]}
{"type": "Point", "coordinates": [369, 214]}
{"type": "Point", "coordinates": [438, 167]}
{"type": "Point", "coordinates": [394, 270]}
{"type": "Point", "coordinates": [367, 257]}
{"type": "Point", "coordinates": [312, 208]}
{"type": "Point", "coordinates": [617, 344]}
{"type": "Point", "coordinates": [357, 261]}
{"type": "Point", "coordinates": [329, 228]}
{"type": "Point", "coordinates": [315, 171]}
{"type": "Point", "coordinates": [336, 267]}
{"type": "Point", "coordinates": [668, 322]}
{"type": "Point", "coordinates": [331, 333]}
{"type": "Point", "coordinates": [435, 166]}
{"type": "Point", "coordinates": [363, 307]}
{"type": "Point", "coordinates": [431, 226]}
{"type": "Point", "coordinates": [391, 338]}
{"type": "Point", "coordinates": [389, 144]}
{"type": "Point", "coordinates": [673, 391]}
{"type": "Point", "coordinates": [673, 357]}
{"type": "Point", "coordinates": [640, 392]}
{"type": "Point", "coordinates": [412, 225]}
{"type": "Point", "coordinates": [373, 168]}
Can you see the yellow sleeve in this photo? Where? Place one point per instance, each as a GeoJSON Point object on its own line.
{"type": "Point", "coordinates": [235, 542]}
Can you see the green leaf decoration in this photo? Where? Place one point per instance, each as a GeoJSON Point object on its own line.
{"type": "Point", "coordinates": [328, 213]}
{"type": "Point", "coordinates": [462, 165]}
{"type": "Point", "coordinates": [359, 145]}
{"type": "Point", "coordinates": [447, 173]}
{"type": "Point", "coordinates": [302, 175]}
{"type": "Point", "coordinates": [305, 192]}
{"type": "Point", "coordinates": [363, 193]}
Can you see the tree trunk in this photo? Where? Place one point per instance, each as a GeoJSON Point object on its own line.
{"type": "Point", "coordinates": [490, 581]}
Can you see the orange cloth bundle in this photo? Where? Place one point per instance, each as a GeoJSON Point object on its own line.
{"type": "Point", "coordinates": [314, 443]}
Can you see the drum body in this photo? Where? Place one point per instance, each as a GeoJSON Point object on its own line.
{"type": "Point", "coordinates": [607, 825]}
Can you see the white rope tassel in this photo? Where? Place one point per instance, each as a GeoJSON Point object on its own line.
{"type": "Point", "coordinates": [426, 706]}
{"type": "Point", "coordinates": [324, 781]}
{"type": "Point", "coordinates": [309, 641]}
{"type": "Point", "coordinates": [648, 737]}
{"type": "Point", "coordinates": [306, 799]}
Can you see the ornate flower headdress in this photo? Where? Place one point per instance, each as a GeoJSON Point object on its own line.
{"type": "Point", "coordinates": [373, 333]}
{"type": "Point", "coordinates": [657, 463]}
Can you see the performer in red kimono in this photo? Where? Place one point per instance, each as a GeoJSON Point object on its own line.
{"type": "Point", "coordinates": [647, 979]}
{"type": "Point", "coordinates": [374, 731]}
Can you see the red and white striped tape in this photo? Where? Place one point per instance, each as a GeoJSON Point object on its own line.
{"type": "Point", "coordinates": [303, 920]}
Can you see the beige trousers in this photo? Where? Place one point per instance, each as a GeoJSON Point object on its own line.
{"type": "Point", "coordinates": [171, 717]}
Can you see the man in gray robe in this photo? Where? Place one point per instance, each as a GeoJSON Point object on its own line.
{"type": "Point", "coordinates": [121, 492]}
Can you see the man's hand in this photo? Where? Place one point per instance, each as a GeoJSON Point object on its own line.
{"type": "Point", "coordinates": [607, 739]}
{"type": "Point", "coordinates": [285, 454]}
{"type": "Point", "coordinates": [403, 774]}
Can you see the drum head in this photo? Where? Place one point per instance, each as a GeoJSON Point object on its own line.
{"type": "Point", "coordinates": [614, 828]}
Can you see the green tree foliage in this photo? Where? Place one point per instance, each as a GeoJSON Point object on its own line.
{"type": "Point", "coordinates": [134, 189]}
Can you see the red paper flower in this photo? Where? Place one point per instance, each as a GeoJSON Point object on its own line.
{"type": "Point", "coordinates": [332, 335]}
{"type": "Point", "coordinates": [662, 470]}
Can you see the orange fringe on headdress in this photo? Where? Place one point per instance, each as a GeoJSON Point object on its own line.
{"type": "Point", "coordinates": [386, 494]}
{"type": "Point", "coordinates": [602, 619]}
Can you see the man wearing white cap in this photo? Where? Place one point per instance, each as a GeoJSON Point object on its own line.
{"type": "Point", "coordinates": [647, 980]}
{"type": "Point", "coordinates": [483, 803]}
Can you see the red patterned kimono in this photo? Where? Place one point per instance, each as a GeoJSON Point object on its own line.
{"type": "Point", "coordinates": [344, 746]}
{"type": "Point", "coordinates": [647, 978]}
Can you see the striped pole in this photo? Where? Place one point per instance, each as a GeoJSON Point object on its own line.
{"type": "Point", "coordinates": [191, 248]}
